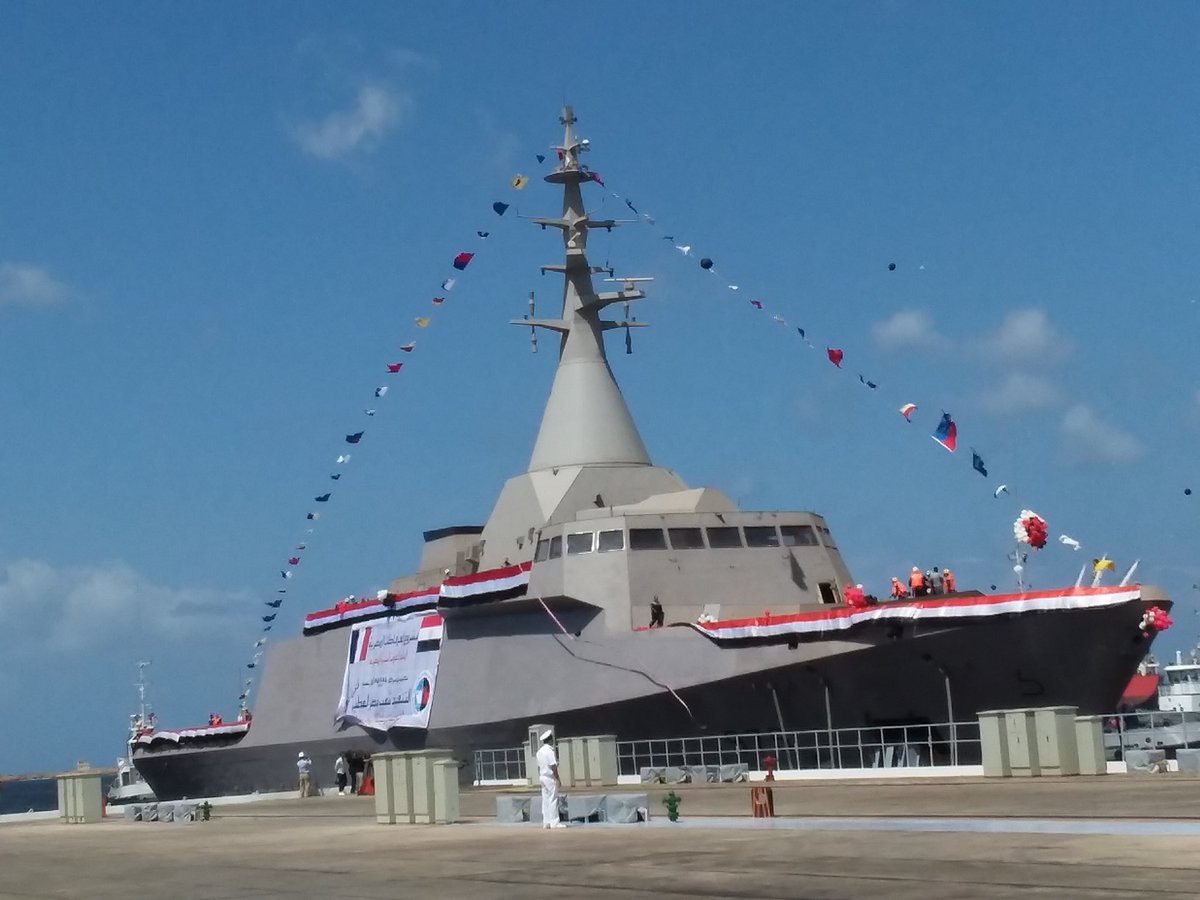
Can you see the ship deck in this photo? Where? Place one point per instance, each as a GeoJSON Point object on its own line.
{"type": "Point", "coordinates": [1115, 836]}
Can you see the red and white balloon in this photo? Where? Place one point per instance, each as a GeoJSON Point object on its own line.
{"type": "Point", "coordinates": [1030, 528]}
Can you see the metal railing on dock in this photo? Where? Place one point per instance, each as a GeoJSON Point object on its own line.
{"type": "Point", "coordinates": [887, 746]}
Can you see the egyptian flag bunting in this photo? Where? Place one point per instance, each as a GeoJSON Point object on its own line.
{"type": "Point", "coordinates": [947, 433]}
{"type": "Point", "coordinates": [381, 391]}
{"type": "Point", "coordinates": [385, 604]}
{"type": "Point", "coordinates": [835, 356]}
{"type": "Point", "coordinates": [408, 348]}
{"type": "Point", "coordinates": [485, 587]}
{"type": "Point", "coordinates": [422, 321]}
{"type": "Point", "coordinates": [907, 410]}
{"type": "Point", "coordinates": [463, 260]}
{"type": "Point", "coordinates": [779, 629]}
{"type": "Point", "coordinates": [438, 301]}
{"type": "Point", "coordinates": [757, 304]}
{"type": "Point", "coordinates": [354, 438]}
{"type": "Point", "coordinates": [270, 618]}
{"type": "Point", "coordinates": [293, 560]}
{"type": "Point", "coordinates": [274, 604]}
{"type": "Point", "coordinates": [500, 208]}
{"type": "Point", "coordinates": [324, 498]}
{"type": "Point", "coordinates": [395, 367]}
{"type": "Point", "coordinates": [518, 182]}
{"type": "Point", "coordinates": [312, 517]}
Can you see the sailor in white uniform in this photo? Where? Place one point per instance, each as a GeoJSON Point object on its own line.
{"type": "Point", "coordinates": [548, 775]}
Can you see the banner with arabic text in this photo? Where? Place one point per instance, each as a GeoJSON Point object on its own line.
{"type": "Point", "coordinates": [391, 668]}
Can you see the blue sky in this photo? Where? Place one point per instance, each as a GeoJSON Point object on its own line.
{"type": "Point", "coordinates": [217, 224]}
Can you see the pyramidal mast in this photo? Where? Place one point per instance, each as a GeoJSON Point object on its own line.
{"type": "Point", "coordinates": [586, 421]}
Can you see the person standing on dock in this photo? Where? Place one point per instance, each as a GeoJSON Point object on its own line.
{"type": "Point", "coordinates": [547, 764]}
{"type": "Point", "coordinates": [304, 768]}
{"type": "Point", "coordinates": [339, 773]}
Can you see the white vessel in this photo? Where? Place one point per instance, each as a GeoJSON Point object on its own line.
{"type": "Point", "coordinates": [128, 786]}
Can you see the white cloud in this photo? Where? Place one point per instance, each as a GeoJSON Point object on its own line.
{"type": "Point", "coordinates": [1021, 392]}
{"type": "Point", "coordinates": [907, 328]}
{"type": "Point", "coordinates": [1025, 334]}
{"type": "Point", "coordinates": [24, 284]}
{"type": "Point", "coordinates": [376, 111]}
{"type": "Point", "coordinates": [74, 607]}
{"type": "Point", "coordinates": [1088, 437]}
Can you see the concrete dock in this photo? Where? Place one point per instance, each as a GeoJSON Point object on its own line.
{"type": "Point", "coordinates": [1118, 836]}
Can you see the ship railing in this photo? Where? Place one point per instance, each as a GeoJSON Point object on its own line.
{"type": "Point", "coordinates": [887, 746]}
{"type": "Point", "coordinates": [876, 747]}
{"type": "Point", "coordinates": [1150, 729]}
{"type": "Point", "coordinates": [501, 766]}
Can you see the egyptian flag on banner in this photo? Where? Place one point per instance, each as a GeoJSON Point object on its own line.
{"type": "Point", "coordinates": [430, 635]}
{"type": "Point", "coordinates": [947, 433]}
{"type": "Point", "coordinates": [488, 586]}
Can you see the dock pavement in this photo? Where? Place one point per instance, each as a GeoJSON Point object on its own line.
{"type": "Point", "coordinates": [1106, 837]}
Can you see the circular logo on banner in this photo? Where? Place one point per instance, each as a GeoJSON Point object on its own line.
{"type": "Point", "coordinates": [423, 692]}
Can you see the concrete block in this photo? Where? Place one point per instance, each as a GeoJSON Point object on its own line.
{"type": "Point", "coordinates": [1188, 760]}
{"type": "Point", "coordinates": [1145, 762]}
{"type": "Point", "coordinates": [626, 808]}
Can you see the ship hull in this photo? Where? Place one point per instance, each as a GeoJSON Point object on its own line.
{"type": "Point", "coordinates": [672, 682]}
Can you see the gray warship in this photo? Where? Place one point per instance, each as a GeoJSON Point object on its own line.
{"type": "Point", "coordinates": [540, 614]}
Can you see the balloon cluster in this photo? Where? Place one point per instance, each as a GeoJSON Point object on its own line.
{"type": "Point", "coordinates": [1154, 620]}
{"type": "Point", "coordinates": [1030, 528]}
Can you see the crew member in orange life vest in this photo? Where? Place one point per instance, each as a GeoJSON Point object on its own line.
{"type": "Point", "coordinates": [898, 591]}
{"type": "Point", "coordinates": [916, 581]}
{"type": "Point", "coordinates": [948, 581]}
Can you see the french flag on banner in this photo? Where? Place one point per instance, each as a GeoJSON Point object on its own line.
{"type": "Point", "coordinates": [947, 433]}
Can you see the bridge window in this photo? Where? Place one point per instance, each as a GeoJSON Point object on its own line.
{"type": "Point", "coordinates": [647, 539]}
{"type": "Point", "coordinates": [580, 542]}
{"type": "Point", "coordinates": [761, 536]}
{"type": "Point", "coordinates": [827, 538]}
{"type": "Point", "coordinates": [543, 550]}
{"type": "Point", "coordinates": [798, 536]}
{"type": "Point", "coordinates": [556, 547]}
{"type": "Point", "coordinates": [611, 540]}
{"type": "Point", "coordinates": [686, 538]}
{"type": "Point", "coordinates": [828, 594]}
{"type": "Point", "coordinates": [721, 538]}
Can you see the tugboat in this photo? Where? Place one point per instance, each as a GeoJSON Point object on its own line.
{"type": "Point", "coordinates": [128, 785]}
{"type": "Point", "coordinates": [549, 611]}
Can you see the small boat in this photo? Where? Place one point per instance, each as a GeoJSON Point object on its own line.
{"type": "Point", "coordinates": [128, 786]}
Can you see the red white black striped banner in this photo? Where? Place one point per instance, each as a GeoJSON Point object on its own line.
{"type": "Point", "coordinates": [503, 583]}
{"type": "Point", "coordinates": [175, 735]}
{"type": "Point", "coordinates": [362, 610]}
{"type": "Point", "coordinates": [826, 621]}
